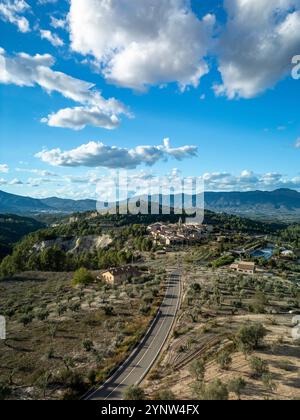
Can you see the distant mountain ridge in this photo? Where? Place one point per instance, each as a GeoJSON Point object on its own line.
{"type": "Point", "coordinates": [69, 206]}
{"type": "Point", "coordinates": [11, 203]}
{"type": "Point", "coordinates": [278, 198]}
{"type": "Point", "coordinates": [263, 204]}
{"type": "Point", "coordinates": [274, 204]}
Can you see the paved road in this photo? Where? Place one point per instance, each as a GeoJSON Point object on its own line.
{"type": "Point", "coordinates": [135, 369]}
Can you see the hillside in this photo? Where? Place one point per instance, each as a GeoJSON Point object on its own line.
{"type": "Point", "coordinates": [74, 242]}
{"type": "Point", "coordinates": [12, 229]}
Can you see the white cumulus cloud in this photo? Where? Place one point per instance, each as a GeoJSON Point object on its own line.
{"type": "Point", "coordinates": [26, 70]}
{"type": "Point", "coordinates": [96, 154]}
{"type": "Point", "coordinates": [142, 43]}
{"type": "Point", "coordinates": [257, 45]}
{"type": "Point", "coordinates": [79, 117]}
{"type": "Point", "coordinates": [248, 181]}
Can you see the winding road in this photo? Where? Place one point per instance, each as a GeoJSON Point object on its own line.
{"type": "Point", "coordinates": [138, 365]}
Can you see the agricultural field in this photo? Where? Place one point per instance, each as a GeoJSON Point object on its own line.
{"type": "Point", "coordinates": [212, 355]}
{"type": "Point", "coordinates": [62, 339]}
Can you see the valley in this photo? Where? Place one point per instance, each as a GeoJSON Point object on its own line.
{"type": "Point", "coordinates": [79, 295]}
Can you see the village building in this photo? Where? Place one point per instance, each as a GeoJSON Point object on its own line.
{"type": "Point", "coordinates": [172, 234]}
{"type": "Point", "coordinates": [117, 276]}
{"type": "Point", "coordinates": [287, 254]}
{"type": "Point", "coordinates": [244, 267]}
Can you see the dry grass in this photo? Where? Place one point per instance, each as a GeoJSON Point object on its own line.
{"type": "Point", "coordinates": [54, 347]}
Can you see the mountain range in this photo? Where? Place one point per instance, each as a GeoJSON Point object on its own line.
{"type": "Point", "coordinates": [278, 204]}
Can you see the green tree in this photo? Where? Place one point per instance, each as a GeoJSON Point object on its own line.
{"type": "Point", "coordinates": [224, 360]}
{"type": "Point", "coordinates": [260, 302]}
{"type": "Point", "coordinates": [52, 259]}
{"type": "Point", "coordinates": [8, 267]}
{"type": "Point", "coordinates": [249, 338]}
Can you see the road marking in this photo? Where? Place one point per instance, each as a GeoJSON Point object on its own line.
{"type": "Point", "coordinates": [146, 350]}
{"type": "Point", "coordinates": [163, 323]}
{"type": "Point", "coordinates": [142, 358]}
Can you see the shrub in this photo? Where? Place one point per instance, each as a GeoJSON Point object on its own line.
{"type": "Point", "coordinates": [50, 353]}
{"type": "Point", "coordinates": [224, 360]}
{"type": "Point", "coordinates": [260, 302]}
{"type": "Point", "coordinates": [92, 377]}
{"type": "Point", "coordinates": [145, 309]}
{"type": "Point", "coordinates": [5, 391]}
{"type": "Point", "coordinates": [75, 307]}
{"type": "Point", "coordinates": [216, 391]}
{"type": "Point", "coordinates": [165, 395]}
{"type": "Point", "coordinates": [195, 287]}
{"type": "Point", "coordinates": [108, 310]}
{"type": "Point", "coordinates": [43, 382]}
{"type": "Point", "coordinates": [42, 315]}
{"type": "Point", "coordinates": [10, 313]}
{"type": "Point", "coordinates": [237, 386]}
{"type": "Point", "coordinates": [82, 277]}
{"type": "Point", "coordinates": [134, 393]}
{"type": "Point", "coordinates": [26, 319]}
{"type": "Point", "coordinates": [197, 370]}
{"type": "Point", "coordinates": [258, 367]}
{"type": "Point", "coordinates": [88, 345]}
{"type": "Point", "coordinates": [225, 260]}
{"type": "Point", "coordinates": [61, 309]}
{"type": "Point", "coordinates": [267, 379]}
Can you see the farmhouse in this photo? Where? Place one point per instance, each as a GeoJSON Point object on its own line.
{"type": "Point", "coordinates": [116, 276]}
{"type": "Point", "coordinates": [244, 267]}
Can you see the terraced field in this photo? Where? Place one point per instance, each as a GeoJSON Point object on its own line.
{"type": "Point", "coordinates": [215, 306]}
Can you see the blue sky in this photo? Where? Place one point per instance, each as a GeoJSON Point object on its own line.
{"type": "Point", "coordinates": [230, 112]}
